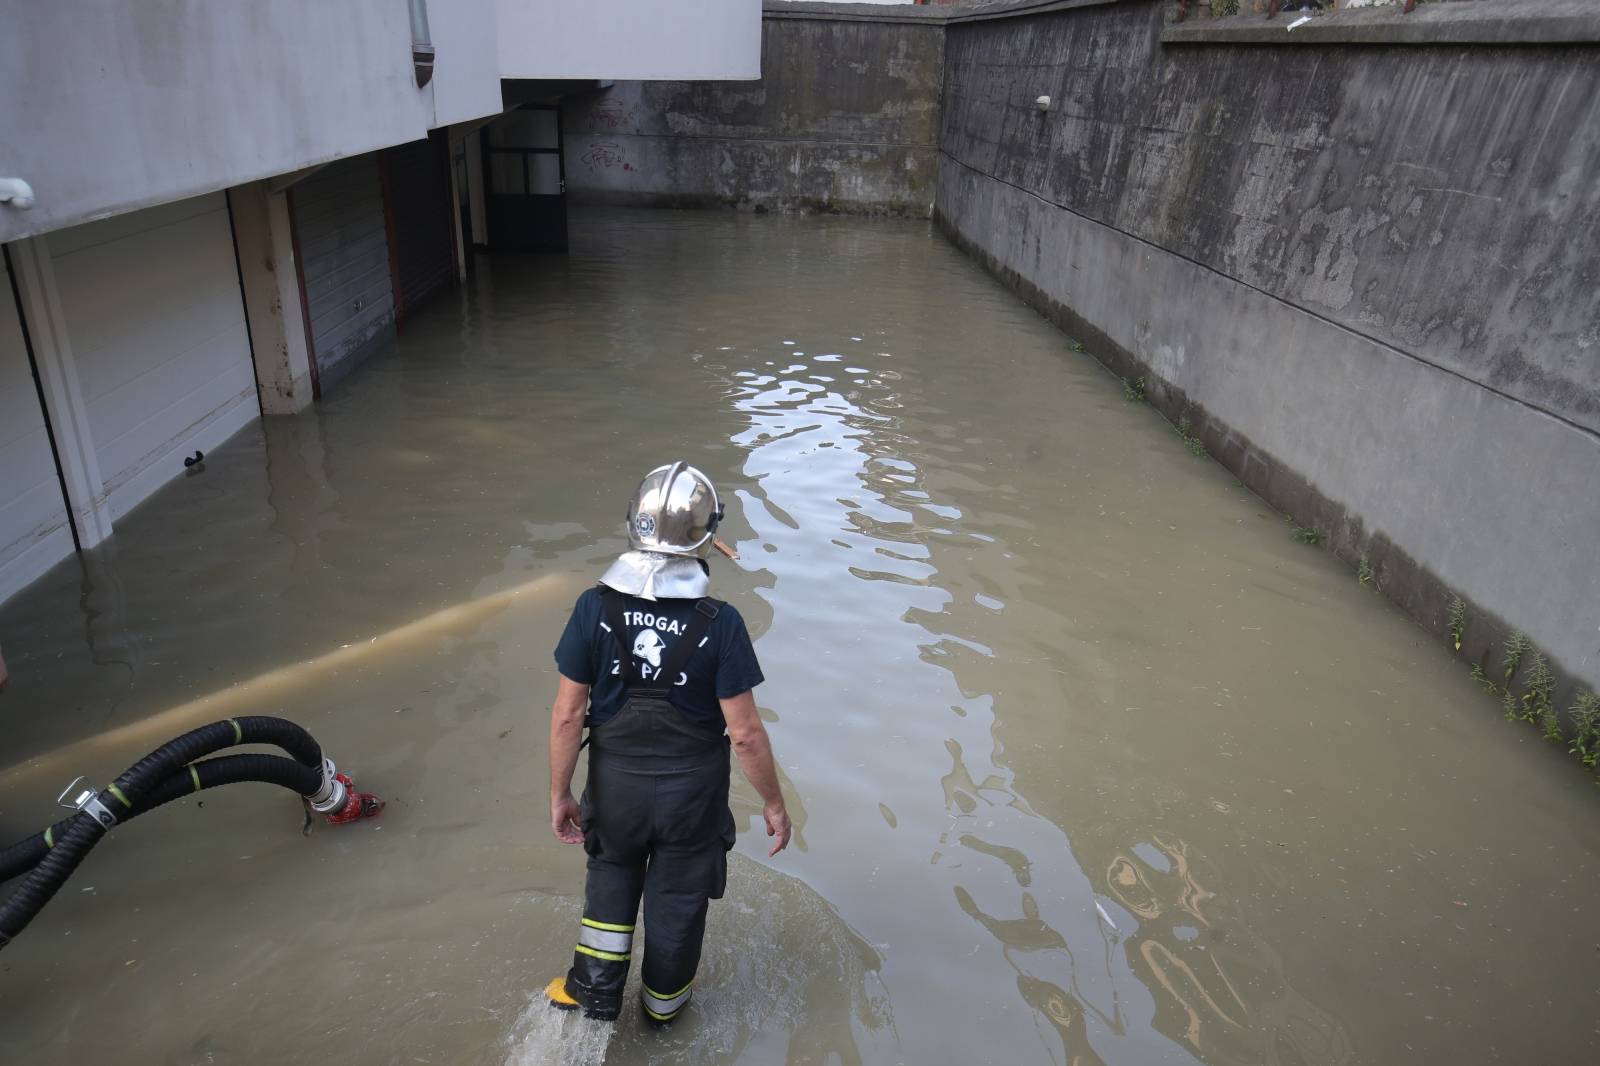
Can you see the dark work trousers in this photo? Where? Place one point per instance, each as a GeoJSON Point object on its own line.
{"type": "Point", "coordinates": [657, 827]}
{"type": "Point", "coordinates": [655, 823]}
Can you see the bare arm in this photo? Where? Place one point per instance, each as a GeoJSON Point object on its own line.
{"type": "Point", "coordinates": [751, 744]}
{"type": "Point", "coordinates": [566, 733]}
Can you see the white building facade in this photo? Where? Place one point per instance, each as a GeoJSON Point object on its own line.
{"type": "Point", "coordinates": [211, 212]}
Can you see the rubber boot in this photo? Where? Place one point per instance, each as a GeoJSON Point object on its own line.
{"type": "Point", "coordinates": [556, 990]}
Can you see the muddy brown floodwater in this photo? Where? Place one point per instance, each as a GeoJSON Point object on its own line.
{"type": "Point", "coordinates": [1091, 761]}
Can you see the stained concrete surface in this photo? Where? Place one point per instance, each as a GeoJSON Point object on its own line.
{"type": "Point", "coordinates": [1439, 200]}
{"type": "Point", "coordinates": [845, 118]}
{"type": "Point", "coordinates": [1496, 22]}
{"type": "Point", "coordinates": [1366, 274]}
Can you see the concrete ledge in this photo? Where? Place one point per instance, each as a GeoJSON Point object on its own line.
{"type": "Point", "coordinates": [1458, 22]}
{"type": "Point", "coordinates": [788, 9]}
{"type": "Point", "coordinates": [1019, 9]}
{"type": "Point", "coordinates": [1500, 22]}
{"type": "Point", "coordinates": [930, 16]}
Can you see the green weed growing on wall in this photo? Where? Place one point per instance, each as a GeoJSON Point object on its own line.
{"type": "Point", "coordinates": [1133, 390]}
{"type": "Point", "coordinates": [1536, 701]}
{"type": "Point", "coordinates": [1517, 645]}
{"type": "Point", "coordinates": [1550, 721]}
{"type": "Point", "coordinates": [1305, 535]}
{"type": "Point", "coordinates": [1190, 441]}
{"type": "Point", "coordinates": [1484, 680]}
{"type": "Point", "coordinates": [1586, 729]}
{"type": "Point", "coordinates": [1536, 704]}
{"type": "Point", "coordinates": [1458, 623]}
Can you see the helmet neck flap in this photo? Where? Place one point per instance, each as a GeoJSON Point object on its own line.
{"type": "Point", "coordinates": [658, 576]}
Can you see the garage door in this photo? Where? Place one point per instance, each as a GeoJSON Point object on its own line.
{"type": "Point", "coordinates": [34, 533]}
{"type": "Point", "coordinates": [343, 255]}
{"type": "Point", "coordinates": [417, 181]}
{"type": "Point", "coordinates": [156, 323]}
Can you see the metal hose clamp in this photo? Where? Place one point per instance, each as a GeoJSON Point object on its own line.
{"type": "Point", "coordinates": [332, 795]}
{"type": "Point", "coordinates": [88, 801]}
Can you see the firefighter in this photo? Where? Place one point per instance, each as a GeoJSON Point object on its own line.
{"type": "Point", "coordinates": [661, 674]}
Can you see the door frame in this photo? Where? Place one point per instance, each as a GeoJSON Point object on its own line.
{"type": "Point", "coordinates": [559, 151]}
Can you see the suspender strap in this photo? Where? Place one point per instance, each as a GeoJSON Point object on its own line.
{"type": "Point", "coordinates": [705, 612]}
{"type": "Point", "coordinates": [611, 604]}
{"type": "Point", "coordinates": [684, 646]}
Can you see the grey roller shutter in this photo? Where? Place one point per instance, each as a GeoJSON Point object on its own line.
{"type": "Point", "coordinates": [418, 185]}
{"type": "Point", "coordinates": [343, 256]}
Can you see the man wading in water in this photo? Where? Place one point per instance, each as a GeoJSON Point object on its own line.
{"type": "Point", "coordinates": [661, 670]}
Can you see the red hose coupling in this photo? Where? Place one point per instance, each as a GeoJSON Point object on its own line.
{"type": "Point", "coordinates": [357, 805]}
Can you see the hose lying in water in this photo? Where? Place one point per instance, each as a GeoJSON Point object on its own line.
{"type": "Point", "coordinates": [162, 776]}
{"type": "Point", "coordinates": [25, 854]}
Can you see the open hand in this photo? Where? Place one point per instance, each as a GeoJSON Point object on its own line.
{"type": "Point", "coordinates": [777, 826]}
{"type": "Point", "coordinates": [565, 821]}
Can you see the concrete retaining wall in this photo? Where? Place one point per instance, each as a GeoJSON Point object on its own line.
{"type": "Point", "coordinates": [1366, 272]}
{"type": "Point", "coordinates": [844, 118]}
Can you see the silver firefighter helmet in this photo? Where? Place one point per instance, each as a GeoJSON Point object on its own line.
{"type": "Point", "coordinates": [674, 511]}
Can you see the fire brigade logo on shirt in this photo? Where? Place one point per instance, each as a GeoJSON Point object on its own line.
{"type": "Point", "coordinates": [648, 646]}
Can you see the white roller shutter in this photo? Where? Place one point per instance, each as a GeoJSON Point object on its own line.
{"type": "Point", "coordinates": [157, 327]}
{"type": "Point", "coordinates": [34, 532]}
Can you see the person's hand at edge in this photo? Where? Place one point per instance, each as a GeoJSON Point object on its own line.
{"type": "Point", "coordinates": [565, 821]}
{"type": "Point", "coordinates": [777, 819]}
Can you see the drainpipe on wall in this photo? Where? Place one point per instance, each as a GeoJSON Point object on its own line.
{"type": "Point", "coordinates": [16, 192]}
{"type": "Point", "coordinates": [421, 42]}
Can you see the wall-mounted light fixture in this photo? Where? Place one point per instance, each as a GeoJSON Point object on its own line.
{"type": "Point", "coordinates": [1043, 103]}
{"type": "Point", "coordinates": [16, 193]}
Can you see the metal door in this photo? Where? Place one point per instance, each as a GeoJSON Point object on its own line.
{"type": "Point", "coordinates": [525, 180]}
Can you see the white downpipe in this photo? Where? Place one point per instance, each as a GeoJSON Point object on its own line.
{"type": "Point", "coordinates": [421, 42]}
{"type": "Point", "coordinates": [18, 193]}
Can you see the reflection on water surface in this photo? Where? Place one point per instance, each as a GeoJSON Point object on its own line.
{"type": "Point", "coordinates": [1091, 762]}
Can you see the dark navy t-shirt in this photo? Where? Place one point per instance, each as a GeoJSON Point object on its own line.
{"type": "Point", "coordinates": [722, 667]}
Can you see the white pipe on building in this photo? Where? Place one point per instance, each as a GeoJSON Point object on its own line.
{"type": "Point", "coordinates": [421, 42]}
{"type": "Point", "coordinates": [18, 193]}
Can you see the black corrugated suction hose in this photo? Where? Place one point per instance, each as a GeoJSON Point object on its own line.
{"type": "Point", "coordinates": [134, 790]}
{"type": "Point", "coordinates": [25, 854]}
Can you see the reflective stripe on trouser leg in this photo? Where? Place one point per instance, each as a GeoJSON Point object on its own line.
{"type": "Point", "coordinates": [676, 890]}
{"type": "Point", "coordinates": [600, 966]}
{"type": "Point", "coordinates": [664, 1008]}
{"type": "Point", "coordinates": [606, 938]}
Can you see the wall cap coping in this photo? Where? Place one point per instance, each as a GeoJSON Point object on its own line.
{"type": "Point", "coordinates": [833, 12]}
{"type": "Point", "coordinates": [1458, 22]}
{"type": "Point", "coordinates": [925, 15]}
{"type": "Point", "coordinates": [1005, 9]}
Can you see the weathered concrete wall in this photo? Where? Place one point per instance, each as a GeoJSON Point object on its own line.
{"type": "Point", "coordinates": [1368, 274]}
{"type": "Point", "coordinates": [844, 118]}
{"type": "Point", "coordinates": [628, 39]}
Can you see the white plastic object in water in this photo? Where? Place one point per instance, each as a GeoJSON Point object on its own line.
{"type": "Point", "coordinates": [16, 192]}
